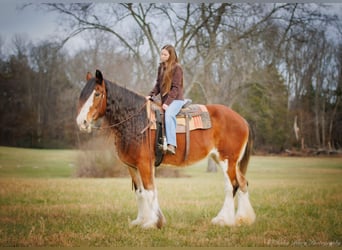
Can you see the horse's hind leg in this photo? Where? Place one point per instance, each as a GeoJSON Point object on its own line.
{"type": "Point", "coordinates": [226, 216]}
{"type": "Point", "coordinates": [235, 183]}
{"type": "Point", "coordinates": [245, 213]}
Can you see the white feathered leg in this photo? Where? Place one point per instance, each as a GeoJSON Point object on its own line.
{"type": "Point", "coordinates": [141, 202]}
{"type": "Point", "coordinates": [226, 216]}
{"type": "Point", "coordinates": [245, 213]}
{"type": "Point", "coordinates": [149, 213]}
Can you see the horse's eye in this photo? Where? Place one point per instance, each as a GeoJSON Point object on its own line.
{"type": "Point", "coordinates": [97, 94]}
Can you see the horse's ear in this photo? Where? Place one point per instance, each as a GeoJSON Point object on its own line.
{"type": "Point", "coordinates": [89, 76]}
{"type": "Point", "coordinates": [99, 77]}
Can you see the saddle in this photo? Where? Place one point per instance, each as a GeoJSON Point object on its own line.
{"type": "Point", "coordinates": [190, 117]}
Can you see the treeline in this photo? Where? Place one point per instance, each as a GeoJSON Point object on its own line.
{"type": "Point", "coordinates": [37, 106]}
{"type": "Point", "coordinates": [279, 65]}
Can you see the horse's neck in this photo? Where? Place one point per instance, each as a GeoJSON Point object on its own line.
{"type": "Point", "coordinates": [125, 107]}
{"type": "Point", "coordinates": [127, 116]}
{"type": "Point", "coordinates": [122, 101]}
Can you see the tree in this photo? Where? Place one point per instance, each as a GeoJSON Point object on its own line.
{"type": "Point", "coordinates": [14, 110]}
{"type": "Point", "coordinates": [335, 124]}
{"type": "Point", "coordinates": [264, 106]}
{"type": "Point", "coordinates": [231, 54]}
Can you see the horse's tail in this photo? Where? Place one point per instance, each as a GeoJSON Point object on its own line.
{"type": "Point", "coordinates": [248, 151]}
{"type": "Point", "coordinates": [241, 172]}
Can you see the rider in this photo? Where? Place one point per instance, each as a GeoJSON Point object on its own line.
{"type": "Point", "coordinates": [169, 85]}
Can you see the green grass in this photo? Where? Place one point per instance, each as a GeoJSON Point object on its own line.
{"type": "Point", "coordinates": [297, 202]}
{"type": "Point", "coordinates": [37, 163]}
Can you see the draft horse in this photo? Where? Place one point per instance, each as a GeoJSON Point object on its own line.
{"type": "Point", "coordinates": [124, 113]}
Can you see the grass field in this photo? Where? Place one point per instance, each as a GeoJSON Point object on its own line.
{"type": "Point", "coordinates": [298, 202]}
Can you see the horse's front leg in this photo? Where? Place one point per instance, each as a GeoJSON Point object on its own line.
{"type": "Point", "coordinates": [149, 213]}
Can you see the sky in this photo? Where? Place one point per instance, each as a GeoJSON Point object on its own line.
{"type": "Point", "coordinates": [13, 20]}
{"type": "Point", "coordinates": [32, 22]}
{"type": "Point", "coordinates": [39, 25]}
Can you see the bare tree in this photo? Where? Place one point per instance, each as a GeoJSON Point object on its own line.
{"type": "Point", "coordinates": [220, 45]}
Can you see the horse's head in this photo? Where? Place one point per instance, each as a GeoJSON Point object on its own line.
{"type": "Point", "coordinates": [92, 102]}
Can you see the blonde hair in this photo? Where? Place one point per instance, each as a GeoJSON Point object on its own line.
{"type": "Point", "coordinates": [169, 66]}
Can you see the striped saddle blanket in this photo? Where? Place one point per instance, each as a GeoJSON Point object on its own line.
{"type": "Point", "coordinates": [195, 116]}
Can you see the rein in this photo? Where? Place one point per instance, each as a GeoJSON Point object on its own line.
{"type": "Point", "coordinates": [119, 123]}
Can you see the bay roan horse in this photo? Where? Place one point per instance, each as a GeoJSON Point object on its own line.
{"type": "Point", "coordinates": [124, 113]}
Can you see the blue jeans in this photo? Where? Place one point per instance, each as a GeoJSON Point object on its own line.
{"type": "Point", "coordinates": [170, 121]}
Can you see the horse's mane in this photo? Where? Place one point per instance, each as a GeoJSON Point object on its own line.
{"type": "Point", "coordinates": [126, 113]}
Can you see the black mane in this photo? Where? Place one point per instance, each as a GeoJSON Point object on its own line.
{"type": "Point", "coordinates": [126, 113]}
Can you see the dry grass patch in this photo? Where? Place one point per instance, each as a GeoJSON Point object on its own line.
{"type": "Point", "coordinates": [296, 203]}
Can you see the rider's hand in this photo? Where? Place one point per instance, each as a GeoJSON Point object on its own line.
{"type": "Point", "coordinates": [165, 106]}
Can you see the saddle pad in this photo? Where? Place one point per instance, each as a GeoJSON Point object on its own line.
{"type": "Point", "coordinates": [198, 117]}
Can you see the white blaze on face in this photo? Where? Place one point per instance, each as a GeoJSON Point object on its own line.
{"type": "Point", "coordinates": [81, 119]}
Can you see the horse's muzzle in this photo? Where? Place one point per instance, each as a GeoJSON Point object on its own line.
{"type": "Point", "coordinates": [85, 127]}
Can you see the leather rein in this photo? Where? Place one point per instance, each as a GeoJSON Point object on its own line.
{"type": "Point", "coordinates": [121, 122]}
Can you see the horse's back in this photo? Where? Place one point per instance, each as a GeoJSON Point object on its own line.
{"type": "Point", "coordinates": [228, 125]}
{"type": "Point", "coordinates": [226, 116]}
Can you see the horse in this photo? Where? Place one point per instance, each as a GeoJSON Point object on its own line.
{"type": "Point", "coordinates": [123, 112]}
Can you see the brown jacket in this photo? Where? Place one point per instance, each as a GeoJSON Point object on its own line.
{"type": "Point", "coordinates": [176, 91]}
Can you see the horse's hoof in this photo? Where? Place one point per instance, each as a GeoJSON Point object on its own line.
{"type": "Point", "coordinates": [149, 225]}
{"type": "Point", "coordinates": [220, 221]}
{"type": "Point", "coordinates": [161, 220]}
{"type": "Point", "coordinates": [135, 222]}
{"type": "Point", "coordinates": [242, 220]}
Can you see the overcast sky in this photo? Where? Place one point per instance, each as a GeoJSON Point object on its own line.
{"type": "Point", "coordinates": [36, 24]}
{"type": "Point", "coordinates": [39, 25]}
